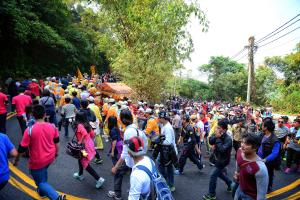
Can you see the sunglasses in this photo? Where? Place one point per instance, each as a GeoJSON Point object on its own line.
{"type": "Point", "coordinates": [280, 121]}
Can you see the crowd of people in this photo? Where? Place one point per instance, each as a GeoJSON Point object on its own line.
{"type": "Point", "coordinates": [139, 133]}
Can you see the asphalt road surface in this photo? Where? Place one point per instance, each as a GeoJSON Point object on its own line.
{"type": "Point", "coordinates": [192, 184]}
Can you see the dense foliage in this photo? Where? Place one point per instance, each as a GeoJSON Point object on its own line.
{"type": "Point", "coordinates": [40, 38]}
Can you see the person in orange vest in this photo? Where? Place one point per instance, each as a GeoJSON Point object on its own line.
{"type": "Point", "coordinates": [112, 111]}
{"type": "Point", "coordinates": [152, 127]}
{"type": "Point", "coordinates": [59, 92]}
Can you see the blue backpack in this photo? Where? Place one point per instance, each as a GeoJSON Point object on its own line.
{"type": "Point", "coordinates": [162, 191]}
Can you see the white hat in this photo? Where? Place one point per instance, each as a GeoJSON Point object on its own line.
{"type": "Point", "coordinates": [156, 105]}
{"type": "Point", "coordinates": [140, 103]}
{"type": "Point", "coordinates": [145, 103]}
{"type": "Point", "coordinates": [91, 99]}
{"type": "Point", "coordinates": [148, 110]}
{"type": "Point", "coordinates": [124, 107]}
{"type": "Point", "coordinates": [111, 100]}
{"type": "Point", "coordinates": [125, 103]}
{"type": "Point", "coordinates": [141, 109]}
{"type": "Point", "coordinates": [120, 103]}
{"type": "Point", "coordinates": [34, 80]}
{"type": "Point", "coordinates": [161, 105]}
{"type": "Point", "coordinates": [129, 100]}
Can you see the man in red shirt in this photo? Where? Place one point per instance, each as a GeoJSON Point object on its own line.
{"type": "Point", "coordinates": [19, 103]}
{"type": "Point", "coordinates": [252, 173]}
{"type": "Point", "coordinates": [34, 88]}
{"type": "Point", "coordinates": [42, 140]}
{"type": "Point", "coordinates": [3, 112]}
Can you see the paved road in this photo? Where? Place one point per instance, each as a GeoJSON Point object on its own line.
{"type": "Point", "coordinates": [191, 185]}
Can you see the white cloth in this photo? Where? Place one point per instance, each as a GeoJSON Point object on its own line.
{"type": "Point", "coordinates": [139, 180]}
{"type": "Point", "coordinates": [200, 125]}
{"type": "Point", "coordinates": [168, 131]}
{"type": "Point", "coordinates": [131, 131]}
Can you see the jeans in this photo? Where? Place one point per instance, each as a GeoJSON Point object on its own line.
{"type": "Point", "coordinates": [3, 123]}
{"type": "Point", "coordinates": [214, 174]}
{"type": "Point", "coordinates": [118, 179]}
{"type": "Point", "coordinates": [168, 173]}
{"type": "Point", "coordinates": [40, 177]}
{"type": "Point", "coordinates": [66, 126]}
{"type": "Point", "coordinates": [22, 123]}
{"type": "Point", "coordinates": [240, 195]}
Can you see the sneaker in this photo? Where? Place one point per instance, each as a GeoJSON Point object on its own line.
{"type": "Point", "coordinates": [98, 161]}
{"type": "Point", "coordinates": [288, 170]}
{"type": "Point", "coordinates": [100, 182]}
{"type": "Point", "coordinates": [209, 197]}
{"type": "Point", "coordinates": [229, 188]}
{"type": "Point", "coordinates": [176, 172]}
{"type": "Point", "coordinates": [172, 188]}
{"type": "Point", "coordinates": [61, 197]}
{"type": "Point", "coordinates": [78, 177]}
{"type": "Point", "coordinates": [112, 194]}
{"type": "Point", "coordinates": [202, 166]}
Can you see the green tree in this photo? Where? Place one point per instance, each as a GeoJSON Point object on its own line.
{"type": "Point", "coordinates": [289, 65]}
{"type": "Point", "coordinates": [145, 40]}
{"type": "Point", "coordinates": [227, 78]}
{"type": "Point", "coordinates": [266, 87]}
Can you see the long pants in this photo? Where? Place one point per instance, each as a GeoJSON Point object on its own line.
{"type": "Point", "coordinates": [2, 185]}
{"type": "Point", "coordinates": [118, 179]}
{"type": "Point", "coordinates": [292, 155]}
{"type": "Point", "coordinates": [216, 173]}
{"type": "Point", "coordinates": [167, 172]}
{"type": "Point", "coordinates": [3, 123]}
{"type": "Point", "coordinates": [191, 154]}
{"type": "Point", "coordinates": [40, 177]}
{"type": "Point", "coordinates": [240, 195]}
{"type": "Point", "coordinates": [22, 123]}
{"type": "Point", "coordinates": [270, 168]}
{"type": "Point", "coordinates": [89, 169]}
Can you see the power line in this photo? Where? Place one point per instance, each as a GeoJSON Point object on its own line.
{"type": "Point", "coordinates": [238, 53]}
{"type": "Point", "coordinates": [278, 28]}
{"type": "Point", "coordinates": [282, 44]}
{"type": "Point", "coordinates": [242, 57]}
{"type": "Point", "coordinates": [277, 32]}
{"type": "Point", "coordinates": [280, 37]}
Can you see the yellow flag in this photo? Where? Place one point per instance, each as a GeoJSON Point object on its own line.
{"type": "Point", "coordinates": [93, 70]}
{"type": "Point", "coordinates": [79, 74]}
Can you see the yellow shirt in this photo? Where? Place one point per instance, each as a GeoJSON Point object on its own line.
{"type": "Point", "coordinates": [96, 111]}
{"type": "Point", "coordinates": [152, 126]}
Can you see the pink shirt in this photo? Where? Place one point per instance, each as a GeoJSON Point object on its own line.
{"type": "Point", "coordinates": [42, 148]}
{"type": "Point", "coordinates": [3, 99]}
{"type": "Point", "coordinates": [21, 101]}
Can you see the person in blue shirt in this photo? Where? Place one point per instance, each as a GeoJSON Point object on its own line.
{"type": "Point", "coordinates": [7, 149]}
{"type": "Point", "coordinates": [269, 149]}
{"type": "Point", "coordinates": [75, 100]}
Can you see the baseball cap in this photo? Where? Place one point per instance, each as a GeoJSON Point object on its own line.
{"type": "Point", "coordinates": [162, 114]}
{"type": "Point", "coordinates": [91, 99]}
{"type": "Point", "coordinates": [148, 110]}
{"type": "Point", "coordinates": [135, 146]}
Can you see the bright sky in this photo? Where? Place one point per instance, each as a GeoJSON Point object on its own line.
{"type": "Point", "coordinates": [232, 22]}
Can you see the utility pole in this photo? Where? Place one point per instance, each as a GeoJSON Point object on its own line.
{"type": "Point", "coordinates": [251, 77]}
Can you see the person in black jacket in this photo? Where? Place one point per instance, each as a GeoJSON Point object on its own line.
{"type": "Point", "coordinates": [190, 148]}
{"type": "Point", "coordinates": [221, 144]}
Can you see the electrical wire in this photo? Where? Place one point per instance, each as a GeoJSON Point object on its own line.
{"type": "Point", "coordinates": [279, 37]}
{"type": "Point", "coordinates": [238, 53]}
{"type": "Point", "coordinates": [277, 32]}
{"type": "Point", "coordinates": [278, 28]}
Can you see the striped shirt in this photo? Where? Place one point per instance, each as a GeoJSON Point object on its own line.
{"type": "Point", "coordinates": [68, 110]}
